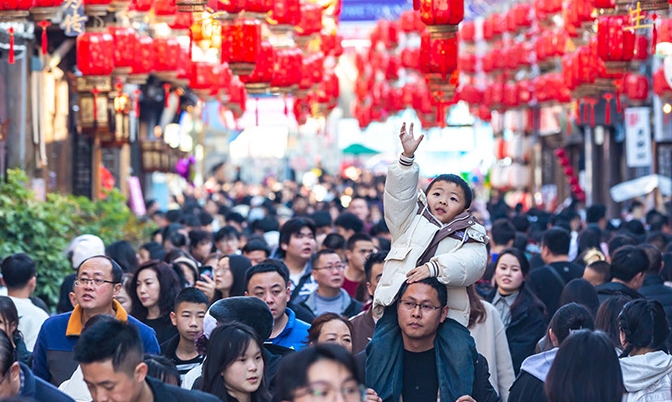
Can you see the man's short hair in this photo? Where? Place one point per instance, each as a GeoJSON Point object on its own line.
{"type": "Point", "coordinates": [198, 236]}
{"type": "Point", "coordinates": [321, 218]}
{"type": "Point", "coordinates": [656, 220]}
{"type": "Point", "coordinates": [293, 226]}
{"type": "Point", "coordinates": [268, 265]}
{"type": "Point", "coordinates": [316, 257]}
{"type": "Point", "coordinates": [619, 241]}
{"type": "Point", "coordinates": [601, 267]}
{"type": "Point", "coordinates": [373, 258]}
{"type": "Point", "coordinates": [116, 270]}
{"type": "Point", "coordinates": [556, 240]}
{"type": "Point", "coordinates": [349, 221]}
{"type": "Point", "coordinates": [17, 270]}
{"type": "Point", "coordinates": [256, 245]}
{"type": "Point", "coordinates": [334, 241]}
{"type": "Point", "coordinates": [627, 262]}
{"type": "Point", "coordinates": [190, 295]}
{"type": "Point", "coordinates": [655, 258]}
{"type": "Point", "coordinates": [110, 340]}
{"type": "Point", "coordinates": [595, 212]}
{"type": "Point", "coordinates": [441, 290]}
{"type": "Point", "coordinates": [352, 241]}
{"type": "Point", "coordinates": [225, 233]}
{"type": "Point", "coordinates": [503, 232]}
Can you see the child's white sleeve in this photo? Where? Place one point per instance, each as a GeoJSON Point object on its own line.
{"type": "Point", "coordinates": [400, 197]}
{"type": "Point", "coordinates": [463, 266]}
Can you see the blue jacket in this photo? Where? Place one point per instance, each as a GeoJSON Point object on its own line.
{"type": "Point", "coordinates": [295, 334]}
{"type": "Point", "coordinates": [38, 389]}
{"type": "Point", "coordinates": [53, 353]}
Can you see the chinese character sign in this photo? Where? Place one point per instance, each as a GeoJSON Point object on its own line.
{"type": "Point", "coordinates": [73, 17]}
{"type": "Point", "coordinates": [638, 137]}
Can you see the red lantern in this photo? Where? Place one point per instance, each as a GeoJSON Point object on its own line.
{"type": "Point", "coordinates": [42, 10]}
{"type": "Point", "coordinates": [410, 21]}
{"type": "Point", "coordinates": [95, 53]}
{"type": "Point", "coordinates": [245, 44]}
{"type": "Point", "coordinates": [438, 55]}
{"type": "Point", "coordinates": [125, 39]}
{"type": "Point", "coordinates": [660, 85]}
{"type": "Point", "coordinates": [202, 78]}
{"type": "Point", "coordinates": [468, 31]}
{"type": "Point", "coordinates": [167, 52]}
{"type": "Point", "coordinates": [285, 13]}
{"type": "Point", "coordinates": [636, 88]}
{"type": "Point", "coordinates": [615, 45]}
{"type": "Point", "coordinates": [604, 4]}
{"type": "Point", "coordinates": [165, 10]}
{"type": "Point", "coordinates": [15, 9]}
{"type": "Point", "coordinates": [141, 6]}
{"type": "Point", "coordinates": [641, 52]}
{"type": "Point", "coordinates": [142, 62]}
{"type": "Point", "coordinates": [442, 16]}
{"type": "Point", "coordinates": [310, 23]}
{"type": "Point", "coordinates": [259, 80]}
{"type": "Point", "coordinates": [182, 23]}
{"type": "Point", "coordinates": [287, 65]}
{"type": "Point", "coordinates": [258, 8]}
{"type": "Point", "coordinates": [237, 97]}
{"type": "Point", "coordinates": [226, 11]}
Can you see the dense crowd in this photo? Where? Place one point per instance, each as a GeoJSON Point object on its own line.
{"type": "Point", "coordinates": [256, 294]}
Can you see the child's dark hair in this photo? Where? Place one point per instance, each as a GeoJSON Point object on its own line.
{"type": "Point", "coordinates": [644, 324]}
{"type": "Point", "coordinates": [190, 295]}
{"type": "Point", "coordinates": [457, 180]}
{"type": "Point", "coordinates": [569, 318]}
{"type": "Point", "coordinates": [162, 369]}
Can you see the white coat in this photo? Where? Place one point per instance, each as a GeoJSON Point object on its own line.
{"type": "Point", "coordinates": [647, 377]}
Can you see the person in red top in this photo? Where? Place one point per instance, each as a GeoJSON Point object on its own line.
{"type": "Point", "coordinates": [358, 248]}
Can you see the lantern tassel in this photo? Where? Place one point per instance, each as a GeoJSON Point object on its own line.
{"type": "Point", "coordinates": [619, 109]}
{"type": "Point", "coordinates": [45, 40]}
{"type": "Point", "coordinates": [568, 129]}
{"type": "Point", "coordinates": [607, 109]}
{"type": "Point", "coordinates": [179, 93]}
{"type": "Point", "coordinates": [654, 33]}
{"type": "Point", "coordinates": [592, 113]}
{"type": "Point", "coordinates": [577, 112]}
{"type": "Point", "coordinates": [586, 113]}
{"type": "Point", "coordinates": [136, 103]}
{"type": "Point", "coordinates": [286, 108]}
{"type": "Point", "coordinates": [95, 91]}
{"type": "Point", "coordinates": [256, 110]}
{"type": "Point", "coordinates": [11, 45]}
{"type": "Point", "coordinates": [191, 41]}
{"type": "Point", "coordinates": [166, 94]}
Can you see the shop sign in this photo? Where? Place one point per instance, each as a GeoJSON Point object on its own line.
{"type": "Point", "coordinates": [638, 137]}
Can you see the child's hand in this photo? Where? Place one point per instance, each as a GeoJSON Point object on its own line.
{"type": "Point", "coordinates": [408, 141]}
{"type": "Point", "coordinates": [418, 273]}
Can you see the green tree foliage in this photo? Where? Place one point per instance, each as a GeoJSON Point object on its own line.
{"type": "Point", "coordinates": [43, 229]}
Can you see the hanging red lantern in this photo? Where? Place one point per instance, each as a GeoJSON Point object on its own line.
{"type": "Point", "coordinates": [226, 11]}
{"type": "Point", "coordinates": [165, 10]}
{"type": "Point", "coordinates": [167, 52]}
{"type": "Point", "coordinates": [95, 53]}
{"type": "Point", "coordinates": [142, 62]}
{"type": "Point", "coordinates": [636, 88]}
{"type": "Point", "coordinates": [285, 14]}
{"type": "Point", "coordinates": [15, 9]}
{"type": "Point", "coordinates": [259, 80]}
{"type": "Point", "coordinates": [237, 97]}
{"type": "Point", "coordinates": [410, 22]}
{"type": "Point", "coordinates": [615, 44]}
{"type": "Point", "coordinates": [125, 39]}
{"type": "Point", "coordinates": [660, 85]}
{"type": "Point", "coordinates": [438, 55]}
{"type": "Point", "coordinates": [258, 9]}
{"type": "Point", "coordinates": [244, 45]}
{"type": "Point", "coordinates": [43, 10]}
{"type": "Point", "coordinates": [442, 17]}
{"type": "Point", "coordinates": [493, 27]}
{"type": "Point", "coordinates": [468, 31]}
{"type": "Point", "coordinates": [141, 6]}
{"type": "Point", "coordinates": [604, 4]}
{"type": "Point", "coordinates": [287, 64]}
{"type": "Point", "coordinates": [641, 52]}
{"type": "Point", "coordinates": [96, 8]}
{"type": "Point", "coordinates": [309, 25]}
{"type": "Point", "coordinates": [202, 78]}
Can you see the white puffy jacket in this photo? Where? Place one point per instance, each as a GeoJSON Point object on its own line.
{"type": "Point", "coordinates": [647, 377]}
{"type": "Point", "coordinates": [461, 262]}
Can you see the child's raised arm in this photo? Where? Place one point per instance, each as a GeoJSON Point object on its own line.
{"type": "Point", "coordinates": [408, 141]}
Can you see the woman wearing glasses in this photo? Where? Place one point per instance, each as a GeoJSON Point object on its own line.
{"type": "Point", "coordinates": [153, 290]}
{"type": "Point", "coordinates": [319, 373]}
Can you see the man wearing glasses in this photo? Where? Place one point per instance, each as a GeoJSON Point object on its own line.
{"type": "Point", "coordinates": [330, 297]}
{"type": "Point", "coordinates": [97, 283]}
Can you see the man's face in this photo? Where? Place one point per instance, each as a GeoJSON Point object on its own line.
{"type": "Point", "coordinates": [107, 385]}
{"type": "Point", "coordinates": [417, 324]}
{"type": "Point", "coordinates": [188, 318]}
{"type": "Point", "coordinates": [376, 273]}
{"type": "Point", "coordinates": [94, 297]}
{"type": "Point", "coordinates": [256, 256]}
{"type": "Point", "coordinates": [328, 271]}
{"type": "Point", "coordinates": [228, 245]}
{"type": "Point", "coordinates": [271, 288]}
{"type": "Point", "coordinates": [357, 256]}
{"type": "Point", "coordinates": [201, 250]}
{"type": "Point", "coordinates": [301, 245]}
{"type": "Point", "coordinates": [359, 208]}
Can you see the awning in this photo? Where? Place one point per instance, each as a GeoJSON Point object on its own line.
{"type": "Point", "coordinates": [641, 186]}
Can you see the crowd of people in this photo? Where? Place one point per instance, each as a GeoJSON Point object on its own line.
{"type": "Point", "coordinates": [405, 294]}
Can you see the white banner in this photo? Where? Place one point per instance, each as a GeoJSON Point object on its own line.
{"type": "Point", "coordinates": [638, 137]}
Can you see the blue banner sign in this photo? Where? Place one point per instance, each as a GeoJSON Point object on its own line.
{"type": "Point", "coordinates": [373, 10]}
{"type": "Point", "coordinates": [73, 17]}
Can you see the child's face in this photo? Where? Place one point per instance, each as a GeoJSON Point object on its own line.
{"type": "Point", "coordinates": [188, 318]}
{"type": "Point", "coordinates": [446, 200]}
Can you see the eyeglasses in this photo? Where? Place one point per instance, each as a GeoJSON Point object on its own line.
{"type": "Point", "coordinates": [340, 267]}
{"type": "Point", "coordinates": [324, 391]}
{"type": "Point", "coordinates": [410, 306]}
{"type": "Point", "coordinates": [96, 282]}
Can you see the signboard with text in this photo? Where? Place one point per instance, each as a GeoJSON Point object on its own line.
{"type": "Point", "coordinates": [372, 10]}
{"type": "Point", "coordinates": [638, 151]}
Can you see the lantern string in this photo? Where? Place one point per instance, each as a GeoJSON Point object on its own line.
{"type": "Point", "coordinates": [95, 91]}
{"type": "Point", "coordinates": [44, 25]}
{"type": "Point", "coordinates": [191, 42]}
{"type": "Point", "coordinates": [11, 45]}
{"type": "Point", "coordinates": [577, 112]}
{"type": "Point", "coordinates": [654, 34]}
{"type": "Point", "coordinates": [592, 102]}
{"type": "Point", "coordinates": [607, 108]}
{"type": "Point", "coordinates": [618, 83]}
{"type": "Point", "coordinates": [166, 94]}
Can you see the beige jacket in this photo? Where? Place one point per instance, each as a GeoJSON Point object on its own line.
{"type": "Point", "coordinates": [460, 262]}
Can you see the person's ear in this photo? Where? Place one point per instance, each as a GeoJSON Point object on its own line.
{"type": "Point", "coordinates": [116, 289]}
{"type": "Point", "coordinates": [73, 299]}
{"type": "Point", "coordinates": [173, 318]}
{"type": "Point", "coordinates": [289, 294]}
{"type": "Point", "coordinates": [140, 372]}
{"type": "Point", "coordinates": [15, 372]}
{"type": "Point", "coordinates": [368, 289]}
{"type": "Point", "coordinates": [552, 337]}
{"type": "Point", "coordinates": [444, 313]}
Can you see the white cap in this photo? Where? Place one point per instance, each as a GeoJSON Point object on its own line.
{"type": "Point", "coordinates": [83, 247]}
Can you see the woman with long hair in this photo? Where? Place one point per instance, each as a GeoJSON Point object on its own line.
{"type": "Point", "coordinates": [9, 324]}
{"type": "Point", "coordinates": [646, 365]}
{"type": "Point", "coordinates": [153, 290]}
{"type": "Point", "coordinates": [234, 367]}
{"type": "Point", "coordinates": [520, 310]}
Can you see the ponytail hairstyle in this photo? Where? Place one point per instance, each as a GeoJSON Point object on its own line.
{"type": "Point", "coordinates": [569, 318]}
{"type": "Point", "coordinates": [644, 325]}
